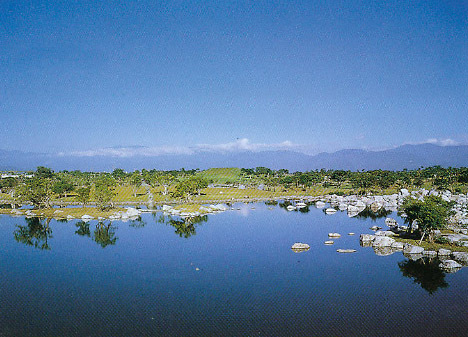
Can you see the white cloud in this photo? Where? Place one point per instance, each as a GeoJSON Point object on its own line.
{"type": "Point", "coordinates": [436, 141]}
{"type": "Point", "coordinates": [239, 145]}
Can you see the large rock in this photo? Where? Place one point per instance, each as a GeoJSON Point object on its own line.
{"type": "Point", "coordinates": [382, 241]}
{"type": "Point", "coordinates": [132, 212]}
{"type": "Point", "coordinates": [353, 211]}
{"type": "Point", "coordinates": [430, 253]}
{"type": "Point", "coordinates": [444, 252]}
{"type": "Point", "coordinates": [375, 206]}
{"type": "Point", "coordinates": [320, 204]}
{"type": "Point", "coordinates": [450, 266]}
{"type": "Point", "coordinates": [384, 233]}
{"type": "Point", "coordinates": [398, 245]}
{"type": "Point", "coordinates": [461, 257]}
{"type": "Point", "coordinates": [404, 192]}
{"type": "Point", "coordinates": [410, 249]}
{"type": "Point", "coordinates": [367, 237]}
{"type": "Point", "coordinates": [391, 222]}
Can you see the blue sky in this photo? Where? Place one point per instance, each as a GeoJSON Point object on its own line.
{"type": "Point", "coordinates": [176, 75]}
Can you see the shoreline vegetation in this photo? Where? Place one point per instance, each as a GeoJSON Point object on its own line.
{"type": "Point", "coordinates": [189, 193]}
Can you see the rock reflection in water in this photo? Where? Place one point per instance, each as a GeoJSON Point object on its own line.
{"type": "Point", "coordinates": [367, 213]}
{"type": "Point", "coordinates": [425, 272]}
{"type": "Point", "coordinates": [36, 233]}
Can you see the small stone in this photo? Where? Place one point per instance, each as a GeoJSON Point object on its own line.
{"type": "Point", "coordinates": [299, 247]}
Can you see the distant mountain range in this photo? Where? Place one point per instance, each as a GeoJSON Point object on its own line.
{"type": "Point", "coordinates": [406, 156]}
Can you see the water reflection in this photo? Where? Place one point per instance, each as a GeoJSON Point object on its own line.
{"type": "Point", "coordinates": [186, 227]}
{"type": "Point", "coordinates": [286, 203]}
{"type": "Point", "coordinates": [425, 272]}
{"type": "Point", "coordinates": [83, 229]}
{"type": "Point", "coordinates": [137, 223]}
{"type": "Point", "coordinates": [104, 235]}
{"type": "Point", "coordinates": [367, 213]}
{"type": "Point", "coordinates": [36, 233]}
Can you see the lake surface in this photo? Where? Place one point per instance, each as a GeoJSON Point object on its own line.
{"type": "Point", "coordinates": [232, 274]}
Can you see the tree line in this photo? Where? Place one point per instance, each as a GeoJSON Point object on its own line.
{"type": "Point", "coordinates": [45, 185]}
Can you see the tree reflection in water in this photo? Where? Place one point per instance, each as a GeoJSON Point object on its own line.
{"type": "Point", "coordinates": [137, 223]}
{"type": "Point", "coordinates": [424, 272]}
{"type": "Point", "coordinates": [36, 233]}
{"type": "Point", "coordinates": [83, 229]}
{"type": "Point", "coordinates": [186, 227]}
{"type": "Point", "coordinates": [104, 234]}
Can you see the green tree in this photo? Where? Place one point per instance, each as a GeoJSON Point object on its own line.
{"type": "Point", "coordinates": [430, 214]}
{"type": "Point", "coordinates": [37, 191]}
{"type": "Point", "coordinates": [62, 188]}
{"type": "Point", "coordinates": [83, 195]}
{"type": "Point", "coordinates": [44, 172]}
{"type": "Point", "coordinates": [135, 182]}
{"type": "Point", "coordinates": [104, 192]}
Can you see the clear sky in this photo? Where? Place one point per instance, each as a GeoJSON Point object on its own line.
{"type": "Point", "coordinates": [310, 75]}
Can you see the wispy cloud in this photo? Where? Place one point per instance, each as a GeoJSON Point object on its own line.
{"type": "Point", "coordinates": [239, 145]}
{"type": "Point", "coordinates": [436, 141]}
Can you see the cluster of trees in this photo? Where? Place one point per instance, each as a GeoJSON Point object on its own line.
{"type": "Point", "coordinates": [439, 177]}
{"type": "Point", "coordinates": [100, 187]}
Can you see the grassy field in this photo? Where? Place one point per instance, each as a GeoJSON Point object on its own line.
{"type": "Point", "coordinates": [221, 175]}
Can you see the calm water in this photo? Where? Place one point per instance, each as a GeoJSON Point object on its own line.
{"type": "Point", "coordinates": [232, 274]}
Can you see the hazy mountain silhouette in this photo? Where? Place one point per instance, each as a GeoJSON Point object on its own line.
{"type": "Point", "coordinates": [406, 156]}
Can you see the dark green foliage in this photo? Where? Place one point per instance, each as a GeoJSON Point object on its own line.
{"type": "Point", "coordinates": [37, 191]}
{"type": "Point", "coordinates": [83, 195]}
{"type": "Point", "coordinates": [430, 214]}
{"type": "Point", "coordinates": [44, 172]}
